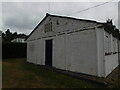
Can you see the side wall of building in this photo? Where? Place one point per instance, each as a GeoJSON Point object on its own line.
{"type": "Point", "coordinates": [110, 52]}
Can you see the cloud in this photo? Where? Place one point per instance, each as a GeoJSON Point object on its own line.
{"type": "Point", "coordinates": [24, 22]}
{"type": "Point", "coordinates": [21, 16]}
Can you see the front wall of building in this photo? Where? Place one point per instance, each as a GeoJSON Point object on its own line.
{"type": "Point", "coordinates": [35, 52]}
{"type": "Point", "coordinates": [59, 52]}
{"type": "Point", "coordinates": [74, 52]}
{"type": "Point", "coordinates": [31, 52]}
{"type": "Point", "coordinates": [81, 55]}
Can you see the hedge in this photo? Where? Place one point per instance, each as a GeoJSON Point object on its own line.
{"type": "Point", "coordinates": [14, 50]}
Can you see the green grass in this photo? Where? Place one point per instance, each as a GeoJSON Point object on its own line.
{"type": "Point", "coordinates": [19, 74]}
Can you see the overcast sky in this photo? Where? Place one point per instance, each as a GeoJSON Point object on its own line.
{"type": "Point", "coordinates": [22, 17]}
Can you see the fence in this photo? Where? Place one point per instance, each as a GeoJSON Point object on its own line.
{"type": "Point", "coordinates": [14, 50]}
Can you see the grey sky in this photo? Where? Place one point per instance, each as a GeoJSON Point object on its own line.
{"type": "Point", "coordinates": [24, 16]}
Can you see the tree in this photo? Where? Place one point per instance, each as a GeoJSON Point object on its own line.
{"type": "Point", "coordinates": [14, 35]}
{"type": "Point", "coordinates": [3, 35]}
{"type": "Point", "coordinates": [8, 36]}
{"type": "Point", "coordinates": [110, 21]}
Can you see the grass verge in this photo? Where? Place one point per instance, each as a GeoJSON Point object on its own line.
{"type": "Point", "coordinates": [19, 74]}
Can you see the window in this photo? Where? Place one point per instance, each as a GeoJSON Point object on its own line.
{"type": "Point", "coordinates": [48, 27]}
{"type": "Point", "coordinates": [107, 43]}
{"type": "Point", "coordinates": [114, 45]}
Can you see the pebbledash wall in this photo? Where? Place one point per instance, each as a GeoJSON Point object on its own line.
{"type": "Point", "coordinates": [78, 46]}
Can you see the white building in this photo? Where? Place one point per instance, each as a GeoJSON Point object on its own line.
{"type": "Point", "coordinates": [19, 40]}
{"type": "Point", "coordinates": [77, 45]}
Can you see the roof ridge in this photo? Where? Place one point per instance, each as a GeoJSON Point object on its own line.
{"type": "Point", "coordinates": [48, 14]}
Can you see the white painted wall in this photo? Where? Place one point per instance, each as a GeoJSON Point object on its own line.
{"type": "Point", "coordinates": [74, 52]}
{"type": "Point", "coordinates": [111, 61]}
{"type": "Point", "coordinates": [31, 51]}
{"type": "Point", "coordinates": [59, 52]}
{"type": "Point", "coordinates": [35, 52]}
{"type": "Point", "coordinates": [81, 53]}
{"type": "Point", "coordinates": [100, 52]}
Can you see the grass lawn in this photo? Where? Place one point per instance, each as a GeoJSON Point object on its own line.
{"type": "Point", "coordinates": [19, 74]}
